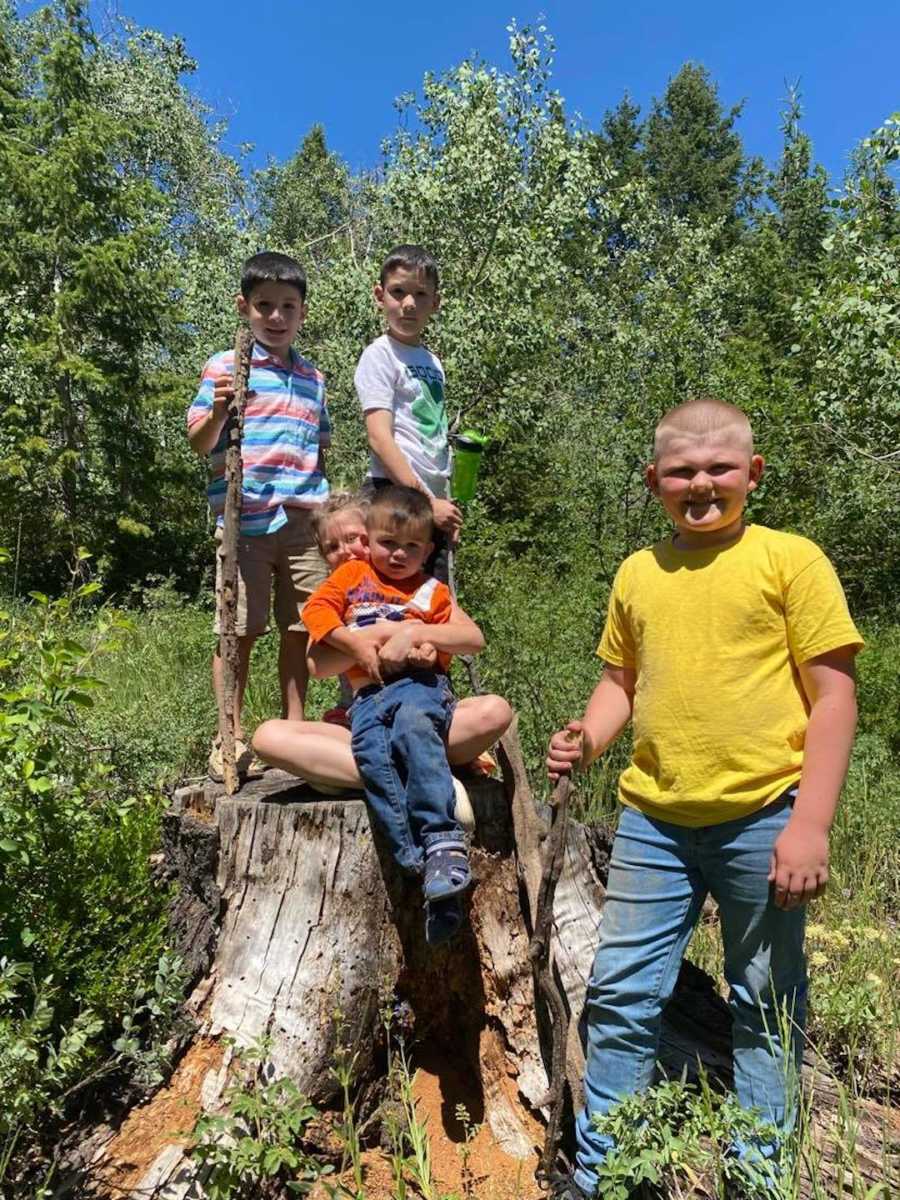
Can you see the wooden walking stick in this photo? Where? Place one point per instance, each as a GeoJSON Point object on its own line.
{"type": "Point", "coordinates": [228, 550]}
{"type": "Point", "coordinates": [539, 951]}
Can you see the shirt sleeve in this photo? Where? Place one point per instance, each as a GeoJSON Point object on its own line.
{"type": "Point", "coordinates": [375, 379]}
{"type": "Point", "coordinates": [203, 401]}
{"type": "Point", "coordinates": [324, 610]}
{"type": "Point", "coordinates": [324, 423]}
{"type": "Point", "coordinates": [617, 642]}
{"type": "Point", "coordinates": [441, 606]}
{"type": "Point", "coordinates": [816, 613]}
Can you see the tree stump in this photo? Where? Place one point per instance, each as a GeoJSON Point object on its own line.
{"type": "Point", "coordinates": [296, 926]}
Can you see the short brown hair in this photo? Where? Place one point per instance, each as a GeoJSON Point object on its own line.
{"type": "Point", "coordinates": [337, 502]}
{"type": "Point", "coordinates": [410, 258]}
{"type": "Point", "coordinates": [701, 416]}
{"type": "Point", "coordinates": [271, 267]}
{"type": "Point", "coordinates": [400, 508]}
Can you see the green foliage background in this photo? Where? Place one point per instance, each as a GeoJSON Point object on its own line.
{"type": "Point", "coordinates": [591, 278]}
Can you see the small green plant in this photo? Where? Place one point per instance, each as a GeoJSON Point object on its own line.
{"type": "Point", "coordinates": [470, 1133]}
{"type": "Point", "coordinates": [254, 1149]}
{"type": "Point", "coordinates": [675, 1139]}
{"type": "Point", "coordinates": [37, 1061]}
{"type": "Point", "coordinates": [156, 1015]}
{"type": "Point", "coordinates": [347, 1129]}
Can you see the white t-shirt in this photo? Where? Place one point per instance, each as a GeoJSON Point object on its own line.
{"type": "Point", "coordinates": [408, 381]}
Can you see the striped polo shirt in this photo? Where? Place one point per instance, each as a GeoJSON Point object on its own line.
{"type": "Point", "coordinates": [285, 426]}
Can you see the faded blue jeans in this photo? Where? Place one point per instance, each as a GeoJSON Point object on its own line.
{"type": "Point", "coordinates": [398, 738]}
{"type": "Point", "coordinates": [659, 876]}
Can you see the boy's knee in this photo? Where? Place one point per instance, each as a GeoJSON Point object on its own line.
{"type": "Point", "coordinates": [497, 714]}
{"type": "Point", "coordinates": [266, 738]}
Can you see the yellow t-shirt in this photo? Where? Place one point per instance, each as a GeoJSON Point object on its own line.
{"type": "Point", "coordinates": [715, 637]}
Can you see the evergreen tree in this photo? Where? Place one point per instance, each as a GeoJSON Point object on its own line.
{"type": "Point", "coordinates": [85, 285]}
{"type": "Point", "coordinates": [306, 201]}
{"type": "Point", "coordinates": [799, 191]}
{"type": "Point", "coordinates": [694, 155]}
{"type": "Point", "coordinates": [619, 140]}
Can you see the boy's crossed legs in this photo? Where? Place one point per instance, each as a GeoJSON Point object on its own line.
{"type": "Point", "coordinates": [659, 877]}
{"type": "Point", "coordinates": [321, 752]}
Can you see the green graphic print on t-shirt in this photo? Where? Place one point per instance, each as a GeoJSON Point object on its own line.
{"type": "Point", "coordinates": [428, 409]}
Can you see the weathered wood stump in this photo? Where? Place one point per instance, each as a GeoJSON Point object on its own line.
{"type": "Point", "coordinates": [296, 926]}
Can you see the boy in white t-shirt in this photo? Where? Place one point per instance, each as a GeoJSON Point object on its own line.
{"type": "Point", "coordinates": [400, 385]}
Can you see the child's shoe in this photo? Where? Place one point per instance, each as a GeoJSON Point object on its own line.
{"type": "Point", "coordinates": [337, 716]}
{"type": "Point", "coordinates": [447, 870]}
{"type": "Point", "coordinates": [443, 920]}
{"type": "Point", "coordinates": [248, 765]}
{"type": "Point", "coordinates": [462, 810]}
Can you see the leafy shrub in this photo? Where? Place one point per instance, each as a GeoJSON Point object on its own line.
{"type": "Point", "coordinates": [255, 1147]}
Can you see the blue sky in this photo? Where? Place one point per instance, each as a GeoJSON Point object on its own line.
{"type": "Point", "coordinates": [274, 69]}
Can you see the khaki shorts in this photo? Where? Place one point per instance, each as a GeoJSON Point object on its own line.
{"type": "Point", "coordinates": [292, 556]}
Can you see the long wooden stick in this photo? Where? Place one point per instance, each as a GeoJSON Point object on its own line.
{"type": "Point", "coordinates": [228, 549]}
{"type": "Point", "coordinates": [539, 951]}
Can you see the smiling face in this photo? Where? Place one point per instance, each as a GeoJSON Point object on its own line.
{"type": "Point", "coordinates": [703, 480]}
{"type": "Point", "coordinates": [344, 537]}
{"type": "Point", "coordinates": [399, 551]}
{"type": "Point", "coordinates": [275, 312]}
{"type": "Point", "coordinates": [408, 299]}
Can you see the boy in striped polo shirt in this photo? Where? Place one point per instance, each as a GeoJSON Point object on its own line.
{"type": "Point", "coordinates": [286, 431]}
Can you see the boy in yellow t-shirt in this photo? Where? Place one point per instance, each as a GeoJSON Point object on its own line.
{"type": "Point", "coordinates": [730, 649]}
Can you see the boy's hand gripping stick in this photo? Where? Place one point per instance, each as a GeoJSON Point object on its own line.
{"type": "Point", "coordinates": [234, 478]}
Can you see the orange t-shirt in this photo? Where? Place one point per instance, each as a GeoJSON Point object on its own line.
{"type": "Point", "coordinates": [355, 596]}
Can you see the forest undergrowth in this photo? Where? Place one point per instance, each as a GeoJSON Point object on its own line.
{"type": "Point", "coordinates": [119, 705]}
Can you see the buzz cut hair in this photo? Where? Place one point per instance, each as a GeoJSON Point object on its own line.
{"type": "Point", "coordinates": [271, 267]}
{"type": "Point", "coordinates": [701, 417]}
{"type": "Point", "coordinates": [409, 257]}
{"type": "Point", "coordinates": [337, 502]}
{"type": "Point", "coordinates": [401, 509]}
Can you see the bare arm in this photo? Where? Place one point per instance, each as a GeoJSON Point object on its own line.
{"type": "Point", "coordinates": [204, 434]}
{"type": "Point", "coordinates": [608, 712]}
{"type": "Point", "coordinates": [799, 870]}
{"type": "Point", "coordinates": [380, 432]}
{"type": "Point", "coordinates": [324, 658]}
{"type": "Point", "coordinates": [460, 635]}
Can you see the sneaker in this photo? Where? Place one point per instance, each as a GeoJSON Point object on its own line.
{"type": "Point", "coordinates": [447, 871]}
{"type": "Point", "coordinates": [337, 716]}
{"type": "Point", "coordinates": [243, 759]}
{"type": "Point", "coordinates": [443, 920]}
{"type": "Point", "coordinates": [462, 809]}
{"type": "Point", "coordinates": [564, 1187]}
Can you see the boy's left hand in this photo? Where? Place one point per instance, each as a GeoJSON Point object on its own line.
{"type": "Point", "coordinates": [799, 868]}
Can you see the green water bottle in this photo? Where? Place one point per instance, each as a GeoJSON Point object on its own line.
{"type": "Point", "coordinates": [467, 450]}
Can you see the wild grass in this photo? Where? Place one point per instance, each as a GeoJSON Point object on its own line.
{"type": "Point", "coordinates": [154, 718]}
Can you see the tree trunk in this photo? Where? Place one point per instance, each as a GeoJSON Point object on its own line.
{"type": "Point", "coordinates": [296, 925]}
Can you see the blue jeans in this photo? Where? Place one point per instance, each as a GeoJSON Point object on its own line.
{"type": "Point", "coordinates": [399, 742]}
{"type": "Point", "coordinates": [659, 876]}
